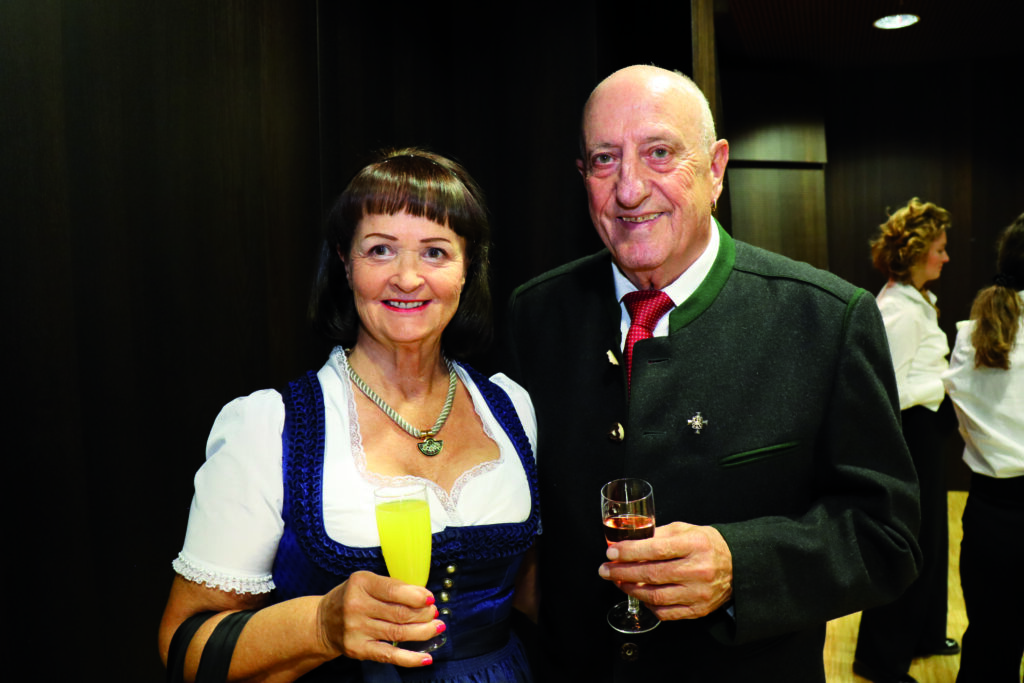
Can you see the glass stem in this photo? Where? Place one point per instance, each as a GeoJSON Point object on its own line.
{"type": "Point", "coordinates": [634, 604]}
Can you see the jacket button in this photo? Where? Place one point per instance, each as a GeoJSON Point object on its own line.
{"type": "Point", "coordinates": [630, 652]}
{"type": "Point", "coordinates": [617, 433]}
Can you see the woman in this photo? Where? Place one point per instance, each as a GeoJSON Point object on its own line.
{"type": "Point", "coordinates": [282, 523]}
{"type": "Point", "coordinates": [985, 380]}
{"type": "Point", "coordinates": [910, 250]}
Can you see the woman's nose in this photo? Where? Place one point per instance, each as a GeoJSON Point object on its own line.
{"type": "Point", "coordinates": [407, 275]}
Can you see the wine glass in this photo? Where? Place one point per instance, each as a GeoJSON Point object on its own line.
{"type": "Point", "coordinates": [403, 523]}
{"type": "Point", "coordinates": [627, 510]}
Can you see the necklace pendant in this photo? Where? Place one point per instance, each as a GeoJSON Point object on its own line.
{"type": "Point", "coordinates": [430, 446]}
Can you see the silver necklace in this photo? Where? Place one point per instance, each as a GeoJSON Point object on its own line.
{"type": "Point", "coordinates": [429, 446]}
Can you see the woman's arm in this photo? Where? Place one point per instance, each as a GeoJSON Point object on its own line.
{"type": "Point", "coordinates": [358, 619]}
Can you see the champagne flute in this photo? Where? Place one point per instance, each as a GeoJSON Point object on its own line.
{"type": "Point", "coordinates": [627, 510]}
{"type": "Point", "coordinates": [403, 523]}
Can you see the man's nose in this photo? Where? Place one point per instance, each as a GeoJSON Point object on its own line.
{"type": "Point", "coordinates": [631, 188]}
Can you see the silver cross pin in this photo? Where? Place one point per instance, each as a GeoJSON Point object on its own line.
{"type": "Point", "coordinates": [698, 423]}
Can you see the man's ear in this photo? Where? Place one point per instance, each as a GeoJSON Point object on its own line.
{"type": "Point", "coordinates": [582, 168]}
{"type": "Point", "coordinates": [719, 160]}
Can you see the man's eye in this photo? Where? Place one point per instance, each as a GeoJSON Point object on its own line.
{"type": "Point", "coordinates": [602, 159]}
{"type": "Point", "coordinates": [659, 153]}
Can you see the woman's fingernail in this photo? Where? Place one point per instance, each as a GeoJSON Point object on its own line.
{"type": "Point", "coordinates": [428, 660]}
{"type": "Point", "coordinates": [441, 627]}
{"type": "Point", "coordinates": [430, 600]}
{"type": "Point", "coordinates": [436, 613]}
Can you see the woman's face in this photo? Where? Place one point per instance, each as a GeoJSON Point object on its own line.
{"type": "Point", "coordinates": [929, 266]}
{"type": "Point", "coordinates": [406, 274]}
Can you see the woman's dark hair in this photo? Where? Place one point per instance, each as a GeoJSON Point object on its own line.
{"type": "Point", "coordinates": [906, 237]}
{"type": "Point", "coordinates": [997, 309]}
{"type": "Point", "coordinates": [425, 185]}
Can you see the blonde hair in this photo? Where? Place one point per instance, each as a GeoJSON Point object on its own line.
{"type": "Point", "coordinates": [997, 309]}
{"type": "Point", "coordinates": [906, 237]}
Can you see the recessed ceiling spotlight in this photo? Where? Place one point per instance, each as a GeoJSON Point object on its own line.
{"type": "Point", "coordinates": [897, 21]}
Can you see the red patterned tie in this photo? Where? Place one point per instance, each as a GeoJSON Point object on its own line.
{"type": "Point", "coordinates": [645, 309]}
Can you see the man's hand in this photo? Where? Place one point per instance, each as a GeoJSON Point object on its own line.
{"type": "Point", "coordinates": [684, 572]}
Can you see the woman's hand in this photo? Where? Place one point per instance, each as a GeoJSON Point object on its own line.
{"type": "Point", "coordinates": [363, 616]}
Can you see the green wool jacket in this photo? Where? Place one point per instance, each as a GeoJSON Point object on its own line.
{"type": "Point", "coordinates": [799, 461]}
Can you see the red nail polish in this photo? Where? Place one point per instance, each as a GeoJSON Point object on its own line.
{"type": "Point", "coordinates": [441, 627]}
{"type": "Point", "coordinates": [428, 660]}
{"type": "Point", "coordinates": [430, 600]}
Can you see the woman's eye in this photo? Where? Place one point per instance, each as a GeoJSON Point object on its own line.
{"type": "Point", "coordinates": [378, 250]}
{"type": "Point", "coordinates": [436, 253]}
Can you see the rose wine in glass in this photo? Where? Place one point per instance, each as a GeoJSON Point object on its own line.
{"type": "Point", "coordinates": [627, 510]}
{"type": "Point", "coordinates": [403, 523]}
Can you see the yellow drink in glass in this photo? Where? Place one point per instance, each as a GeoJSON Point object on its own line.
{"type": "Point", "coordinates": [404, 528]}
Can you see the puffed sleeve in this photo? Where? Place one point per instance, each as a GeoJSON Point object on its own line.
{"type": "Point", "coordinates": [523, 405]}
{"type": "Point", "coordinates": [235, 523]}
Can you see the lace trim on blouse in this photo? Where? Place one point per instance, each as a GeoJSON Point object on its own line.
{"type": "Point", "coordinates": [221, 581]}
{"type": "Point", "coordinates": [448, 500]}
{"type": "Point", "coordinates": [303, 506]}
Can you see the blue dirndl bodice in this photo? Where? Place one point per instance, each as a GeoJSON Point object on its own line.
{"type": "Point", "coordinates": [472, 572]}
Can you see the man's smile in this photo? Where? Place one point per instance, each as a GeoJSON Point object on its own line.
{"type": "Point", "coordinates": [640, 219]}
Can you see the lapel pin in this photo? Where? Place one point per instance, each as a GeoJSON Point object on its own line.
{"type": "Point", "coordinates": [612, 359]}
{"type": "Point", "coordinates": [698, 423]}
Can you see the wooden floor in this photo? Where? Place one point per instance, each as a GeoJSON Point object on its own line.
{"type": "Point", "coordinates": [841, 640]}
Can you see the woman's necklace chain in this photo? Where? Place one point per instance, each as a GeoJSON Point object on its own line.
{"type": "Point", "coordinates": [429, 446]}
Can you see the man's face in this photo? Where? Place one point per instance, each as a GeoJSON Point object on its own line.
{"type": "Point", "coordinates": [649, 176]}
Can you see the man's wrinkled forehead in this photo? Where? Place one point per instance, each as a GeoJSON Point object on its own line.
{"type": "Point", "coordinates": [652, 109]}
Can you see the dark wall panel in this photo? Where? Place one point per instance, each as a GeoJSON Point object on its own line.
{"type": "Point", "coordinates": [161, 206]}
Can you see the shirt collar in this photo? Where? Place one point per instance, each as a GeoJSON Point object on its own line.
{"type": "Point", "coordinates": [680, 289]}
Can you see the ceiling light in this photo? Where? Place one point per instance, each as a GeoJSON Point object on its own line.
{"type": "Point", "coordinates": [897, 21]}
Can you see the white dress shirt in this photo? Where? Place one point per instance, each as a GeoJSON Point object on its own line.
{"type": "Point", "coordinates": [679, 290]}
{"type": "Point", "coordinates": [918, 345]}
{"type": "Point", "coordinates": [989, 404]}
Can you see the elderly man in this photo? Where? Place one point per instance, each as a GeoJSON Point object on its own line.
{"type": "Point", "coordinates": [762, 410]}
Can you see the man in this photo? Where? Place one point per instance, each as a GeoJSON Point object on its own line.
{"type": "Point", "coordinates": [763, 412]}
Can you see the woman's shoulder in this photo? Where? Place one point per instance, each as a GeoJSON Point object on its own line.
{"type": "Point", "coordinates": [246, 414]}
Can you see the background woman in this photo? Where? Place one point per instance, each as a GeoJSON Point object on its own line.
{"type": "Point", "coordinates": [282, 545]}
{"type": "Point", "coordinates": [910, 250]}
{"type": "Point", "coordinates": [986, 383]}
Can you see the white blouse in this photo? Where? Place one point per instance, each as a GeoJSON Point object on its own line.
{"type": "Point", "coordinates": [235, 521]}
{"type": "Point", "coordinates": [918, 345]}
{"type": "Point", "coordinates": [989, 404]}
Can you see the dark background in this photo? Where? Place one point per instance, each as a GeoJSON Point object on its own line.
{"type": "Point", "coordinates": [165, 166]}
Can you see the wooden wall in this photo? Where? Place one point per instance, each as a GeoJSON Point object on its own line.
{"type": "Point", "coordinates": [159, 209]}
{"type": "Point", "coordinates": [946, 133]}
